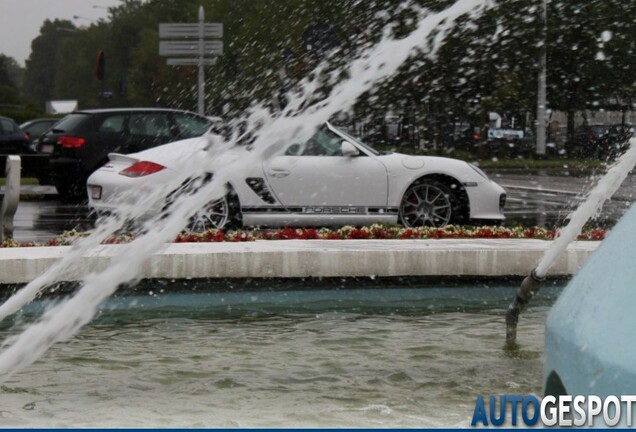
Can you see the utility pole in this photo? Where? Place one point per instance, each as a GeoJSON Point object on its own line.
{"type": "Point", "coordinates": [201, 87]}
{"type": "Point", "coordinates": [541, 97]}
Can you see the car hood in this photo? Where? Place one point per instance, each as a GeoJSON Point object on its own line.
{"type": "Point", "coordinates": [419, 162]}
{"type": "Point", "coordinates": [457, 168]}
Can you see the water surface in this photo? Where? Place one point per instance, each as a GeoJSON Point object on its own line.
{"type": "Point", "coordinates": [393, 357]}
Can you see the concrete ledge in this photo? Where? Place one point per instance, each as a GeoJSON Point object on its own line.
{"type": "Point", "coordinates": [305, 258]}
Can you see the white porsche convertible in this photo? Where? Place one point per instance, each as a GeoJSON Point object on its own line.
{"type": "Point", "coordinates": [332, 180]}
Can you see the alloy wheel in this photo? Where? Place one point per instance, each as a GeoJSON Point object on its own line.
{"type": "Point", "coordinates": [216, 214]}
{"type": "Point", "coordinates": [425, 204]}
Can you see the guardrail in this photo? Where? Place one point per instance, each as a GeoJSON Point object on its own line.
{"type": "Point", "coordinates": [11, 197]}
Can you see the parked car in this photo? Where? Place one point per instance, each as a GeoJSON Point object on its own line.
{"type": "Point", "coordinates": [13, 140]}
{"type": "Point", "coordinates": [614, 141]}
{"type": "Point", "coordinates": [36, 127]}
{"type": "Point", "coordinates": [81, 141]}
{"type": "Point", "coordinates": [585, 140]}
{"type": "Point", "coordinates": [332, 179]}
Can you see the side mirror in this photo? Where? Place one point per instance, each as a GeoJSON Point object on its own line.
{"type": "Point", "coordinates": [349, 149]}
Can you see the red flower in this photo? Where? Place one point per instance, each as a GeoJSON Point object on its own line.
{"type": "Point", "coordinates": [240, 236]}
{"type": "Point", "coordinates": [596, 234]}
{"type": "Point", "coordinates": [381, 233]}
{"type": "Point", "coordinates": [409, 234]}
{"type": "Point", "coordinates": [333, 236]}
{"type": "Point", "coordinates": [285, 233]}
{"type": "Point", "coordinates": [308, 234]}
{"type": "Point", "coordinates": [214, 236]}
{"type": "Point", "coordinates": [358, 233]}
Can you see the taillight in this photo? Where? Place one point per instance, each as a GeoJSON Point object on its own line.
{"type": "Point", "coordinates": [141, 169]}
{"type": "Point", "coordinates": [71, 142]}
{"type": "Point", "coordinates": [476, 137]}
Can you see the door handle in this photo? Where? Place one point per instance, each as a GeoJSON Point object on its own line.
{"type": "Point", "coordinates": [278, 173]}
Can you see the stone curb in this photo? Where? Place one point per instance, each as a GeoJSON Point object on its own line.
{"type": "Point", "coordinates": [312, 258]}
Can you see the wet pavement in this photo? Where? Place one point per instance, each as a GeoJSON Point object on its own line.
{"type": "Point", "coordinates": [547, 199]}
{"type": "Point", "coordinates": [542, 199]}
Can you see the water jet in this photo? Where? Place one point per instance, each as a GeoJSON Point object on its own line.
{"type": "Point", "coordinates": [603, 191]}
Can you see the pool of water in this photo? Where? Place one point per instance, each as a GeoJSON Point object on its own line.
{"type": "Point", "coordinates": [339, 357]}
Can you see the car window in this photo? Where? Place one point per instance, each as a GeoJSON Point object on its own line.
{"type": "Point", "coordinates": [149, 124]}
{"type": "Point", "coordinates": [70, 122]}
{"type": "Point", "coordinates": [360, 143]}
{"type": "Point", "coordinates": [323, 143]}
{"type": "Point", "coordinates": [112, 124]}
{"type": "Point", "coordinates": [37, 129]}
{"type": "Point", "coordinates": [5, 127]}
{"type": "Point", "coordinates": [8, 127]}
{"type": "Point", "coordinates": [191, 126]}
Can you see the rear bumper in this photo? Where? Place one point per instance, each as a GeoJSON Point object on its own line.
{"type": "Point", "coordinates": [65, 168]}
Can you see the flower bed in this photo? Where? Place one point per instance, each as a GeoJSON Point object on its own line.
{"type": "Point", "coordinates": [382, 232]}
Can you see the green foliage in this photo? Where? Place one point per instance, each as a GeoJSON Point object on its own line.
{"type": "Point", "coordinates": [21, 114]}
{"type": "Point", "coordinates": [39, 80]}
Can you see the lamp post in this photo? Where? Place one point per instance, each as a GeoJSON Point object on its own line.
{"type": "Point", "coordinates": [541, 96]}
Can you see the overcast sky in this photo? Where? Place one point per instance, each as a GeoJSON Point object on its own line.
{"type": "Point", "coordinates": [20, 20]}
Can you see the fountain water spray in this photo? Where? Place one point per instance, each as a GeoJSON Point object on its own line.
{"type": "Point", "coordinates": [605, 188]}
{"type": "Point", "coordinates": [296, 123]}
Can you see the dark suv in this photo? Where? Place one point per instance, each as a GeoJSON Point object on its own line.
{"type": "Point", "coordinates": [80, 142]}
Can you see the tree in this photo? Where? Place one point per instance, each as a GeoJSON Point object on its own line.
{"type": "Point", "coordinates": [485, 63]}
{"type": "Point", "coordinates": [10, 82]}
{"type": "Point", "coordinates": [41, 64]}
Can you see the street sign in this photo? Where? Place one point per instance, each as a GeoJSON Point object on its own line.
{"type": "Point", "coordinates": [189, 62]}
{"type": "Point", "coordinates": [189, 48]}
{"type": "Point", "coordinates": [180, 30]}
{"type": "Point", "coordinates": [194, 48]}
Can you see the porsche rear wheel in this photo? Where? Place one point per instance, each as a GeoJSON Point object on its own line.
{"type": "Point", "coordinates": [222, 213]}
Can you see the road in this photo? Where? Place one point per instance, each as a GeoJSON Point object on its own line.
{"type": "Point", "coordinates": [546, 199]}
{"type": "Point", "coordinates": [543, 199]}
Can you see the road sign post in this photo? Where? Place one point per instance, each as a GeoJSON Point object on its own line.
{"type": "Point", "coordinates": [192, 47]}
{"type": "Point", "coordinates": [201, 98]}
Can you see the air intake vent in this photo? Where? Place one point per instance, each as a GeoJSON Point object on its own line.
{"type": "Point", "coordinates": [257, 184]}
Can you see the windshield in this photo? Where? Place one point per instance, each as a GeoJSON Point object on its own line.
{"type": "Point", "coordinates": [357, 141]}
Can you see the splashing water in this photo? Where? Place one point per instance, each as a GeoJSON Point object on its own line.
{"type": "Point", "coordinates": [605, 188]}
{"type": "Point", "coordinates": [293, 124]}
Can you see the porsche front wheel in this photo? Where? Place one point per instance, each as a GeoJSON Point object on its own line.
{"type": "Point", "coordinates": [427, 203]}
